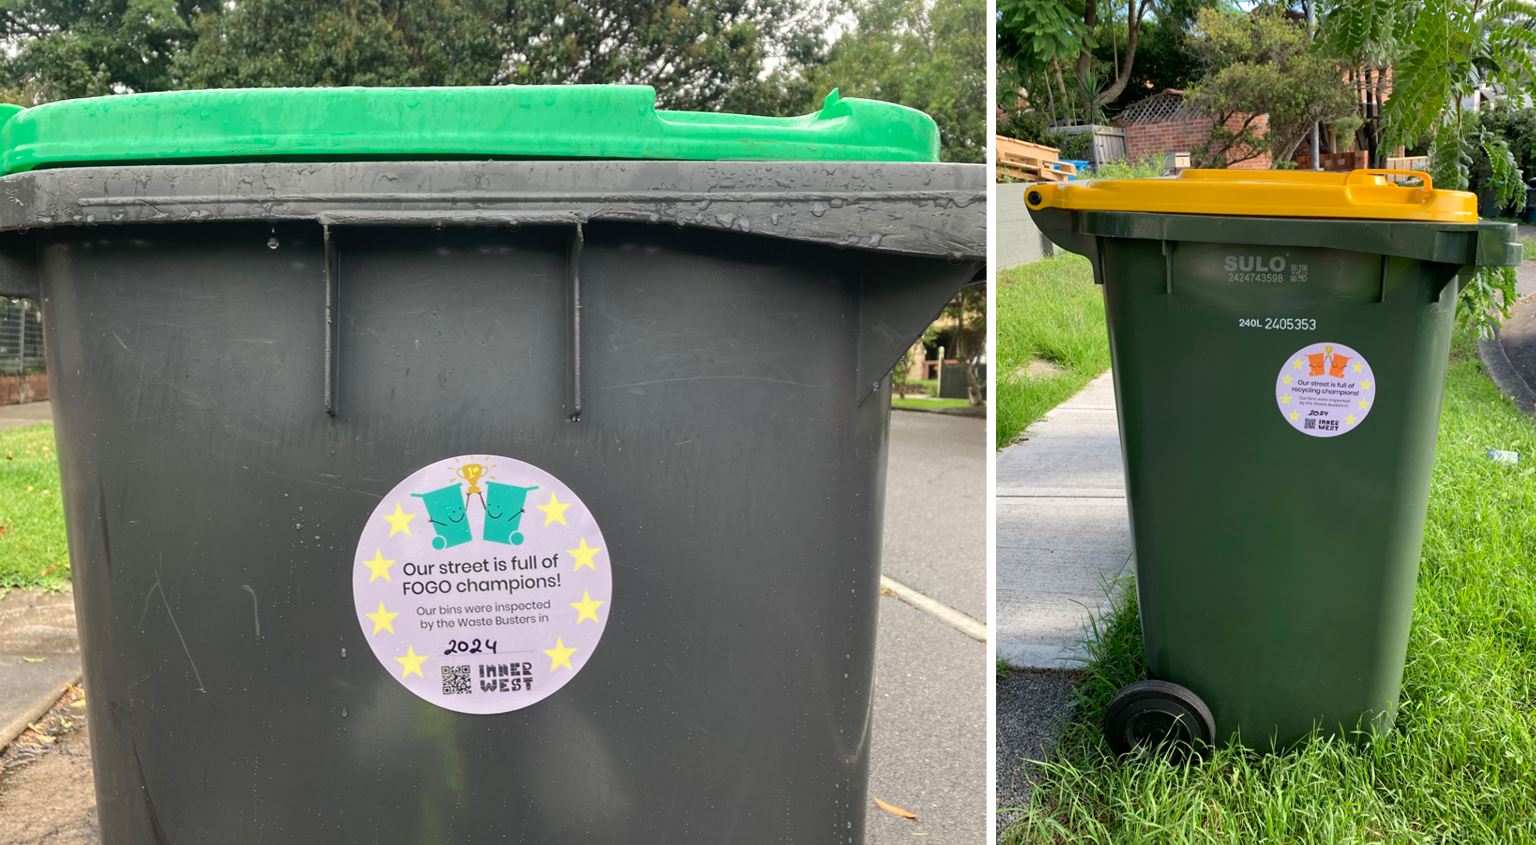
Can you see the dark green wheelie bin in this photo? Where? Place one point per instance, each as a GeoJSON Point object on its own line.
{"type": "Point", "coordinates": [1279, 342]}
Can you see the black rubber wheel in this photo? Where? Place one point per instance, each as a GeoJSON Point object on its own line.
{"type": "Point", "coordinates": [1158, 714]}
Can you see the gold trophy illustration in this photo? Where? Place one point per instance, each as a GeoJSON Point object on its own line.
{"type": "Point", "coordinates": [473, 473]}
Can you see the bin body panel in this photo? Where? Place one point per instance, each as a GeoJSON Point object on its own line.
{"type": "Point", "coordinates": [213, 508]}
{"type": "Point", "coordinates": [1275, 571]}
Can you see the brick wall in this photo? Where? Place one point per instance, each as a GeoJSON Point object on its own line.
{"type": "Point", "coordinates": [1185, 134]}
{"type": "Point", "coordinates": [15, 390]}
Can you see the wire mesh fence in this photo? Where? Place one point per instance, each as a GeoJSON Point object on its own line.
{"type": "Point", "coordinates": [21, 338]}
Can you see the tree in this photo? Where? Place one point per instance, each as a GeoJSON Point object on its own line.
{"type": "Point", "coordinates": [931, 57]}
{"type": "Point", "coordinates": [1040, 40]}
{"type": "Point", "coordinates": [963, 323]}
{"type": "Point", "coordinates": [706, 55]}
{"type": "Point", "coordinates": [1444, 55]}
{"type": "Point", "coordinates": [711, 55]}
{"type": "Point", "coordinates": [1261, 65]}
{"type": "Point", "coordinates": [80, 48]}
{"type": "Point", "coordinates": [278, 43]}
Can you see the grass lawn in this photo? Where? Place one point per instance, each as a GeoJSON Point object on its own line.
{"type": "Point", "coordinates": [33, 551]}
{"type": "Point", "coordinates": [1461, 765]}
{"type": "Point", "coordinates": [1051, 339]}
{"type": "Point", "coordinates": [928, 404]}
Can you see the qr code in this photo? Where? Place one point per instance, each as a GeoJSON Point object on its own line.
{"type": "Point", "coordinates": [1308, 423]}
{"type": "Point", "coordinates": [1298, 272]}
{"type": "Point", "coordinates": [456, 680]}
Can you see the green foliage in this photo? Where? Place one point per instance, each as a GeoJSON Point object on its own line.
{"type": "Point", "coordinates": [1518, 129]}
{"type": "Point", "coordinates": [1506, 153]}
{"type": "Point", "coordinates": [79, 48]}
{"type": "Point", "coordinates": [298, 43]}
{"type": "Point", "coordinates": [1164, 59]}
{"type": "Point", "coordinates": [1051, 339]}
{"type": "Point", "coordinates": [1028, 126]}
{"type": "Point", "coordinates": [751, 56]}
{"type": "Point", "coordinates": [1257, 64]}
{"type": "Point", "coordinates": [1072, 57]}
{"type": "Point", "coordinates": [1147, 167]}
{"type": "Point", "coordinates": [1442, 52]}
{"type": "Point", "coordinates": [705, 54]}
{"type": "Point", "coordinates": [1034, 34]}
{"type": "Point", "coordinates": [1075, 145]}
{"type": "Point", "coordinates": [931, 57]}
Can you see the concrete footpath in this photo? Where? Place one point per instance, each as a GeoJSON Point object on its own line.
{"type": "Point", "coordinates": [928, 752]}
{"type": "Point", "coordinates": [1063, 533]}
{"type": "Point", "coordinates": [25, 414]}
{"type": "Point", "coordinates": [1063, 543]}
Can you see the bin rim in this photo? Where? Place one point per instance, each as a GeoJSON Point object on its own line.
{"type": "Point", "coordinates": [1484, 243]}
{"type": "Point", "coordinates": [1365, 194]}
{"type": "Point", "coordinates": [483, 122]}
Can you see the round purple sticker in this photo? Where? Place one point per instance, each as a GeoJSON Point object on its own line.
{"type": "Point", "coordinates": [482, 583]}
{"type": "Point", "coordinates": [1325, 389]}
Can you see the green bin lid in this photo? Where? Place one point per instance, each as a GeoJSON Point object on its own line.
{"type": "Point", "coordinates": [512, 122]}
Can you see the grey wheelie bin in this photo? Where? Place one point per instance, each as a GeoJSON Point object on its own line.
{"type": "Point", "coordinates": [477, 465]}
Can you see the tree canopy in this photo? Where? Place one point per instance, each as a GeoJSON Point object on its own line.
{"type": "Point", "coordinates": [754, 56]}
{"type": "Point", "coordinates": [1262, 64]}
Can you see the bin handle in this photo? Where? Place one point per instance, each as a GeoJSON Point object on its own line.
{"type": "Point", "coordinates": [1427, 188]}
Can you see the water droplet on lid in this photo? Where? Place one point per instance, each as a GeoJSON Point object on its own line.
{"type": "Point", "coordinates": [343, 652]}
{"type": "Point", "coordinates": [271, 243]}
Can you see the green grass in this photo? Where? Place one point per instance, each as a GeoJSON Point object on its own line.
{"type": "Point", "coordinates": [1460, 766]}
{"type": "Point", "coordinates": [33, 551]}
{"type": "Point", "coordinates": [928, 404]}
{"type": "Point", "coordinates": [1048, 312]}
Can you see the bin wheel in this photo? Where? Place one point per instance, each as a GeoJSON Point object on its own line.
{"type": "Point", "coordinates": [1156, 714]}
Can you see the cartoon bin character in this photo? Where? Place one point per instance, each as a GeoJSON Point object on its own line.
{"type": "Point", "coordinates": [446, 512]}
{"type": "Point", "coordinates": [504, 512]}
{"type": "Point", "coordinates": [1328, 360]}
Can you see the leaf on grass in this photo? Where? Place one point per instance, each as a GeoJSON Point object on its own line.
{"type": "Point", "coordinates": [77, 704]}
{"type": "Point", "coordinates": [895, 810]}
{"type": "Point", "coordinates": [35, 659]}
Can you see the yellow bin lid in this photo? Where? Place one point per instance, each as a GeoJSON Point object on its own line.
{"type": "Point", "coordinates": [1358, 194]}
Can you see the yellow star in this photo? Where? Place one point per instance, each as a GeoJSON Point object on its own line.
{"type": "Point", "coordinates": [554, 511]}
{"type": "Point", "coordinates": [559, 656]}
{"type": "Point", "coordinates": [383, 620]}
{"type": "Point", "coordinates": [1295, 416]}
{"type": "Point", "coordinates": [378, 567]}
{"type": "Point", "coordinates": [1296, 365]}
{"type": "Point", "coordinates": [399, 521]}
{"type": "Point", "coordinates": [1363, 403]}
{"type": "Point", "coordinates": [583, 555]}
{"type": "Point", "coordinates": [1365, 384]}
{"type": "Point", "coordinates": [411, 663]}
{"type": "Point", "coordinates": [1286, 399]}
{"type": "Point", "coordinates": [1286, 378]}
{"type": "Point", "coordinates": [1350, 419]}
{"type": "Point", "coordinates": [1356, 366]}
{"type": "Point", "coordinates": [586, 608]}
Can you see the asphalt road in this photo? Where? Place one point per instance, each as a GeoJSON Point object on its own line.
{"type": "Point", "coordinates": [929, 751]}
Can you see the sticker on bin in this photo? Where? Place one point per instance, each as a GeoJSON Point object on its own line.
{"type": "Point", "coordinates": [482, 584]}
{"type": "Point", "coordinates": [1325, 389]}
